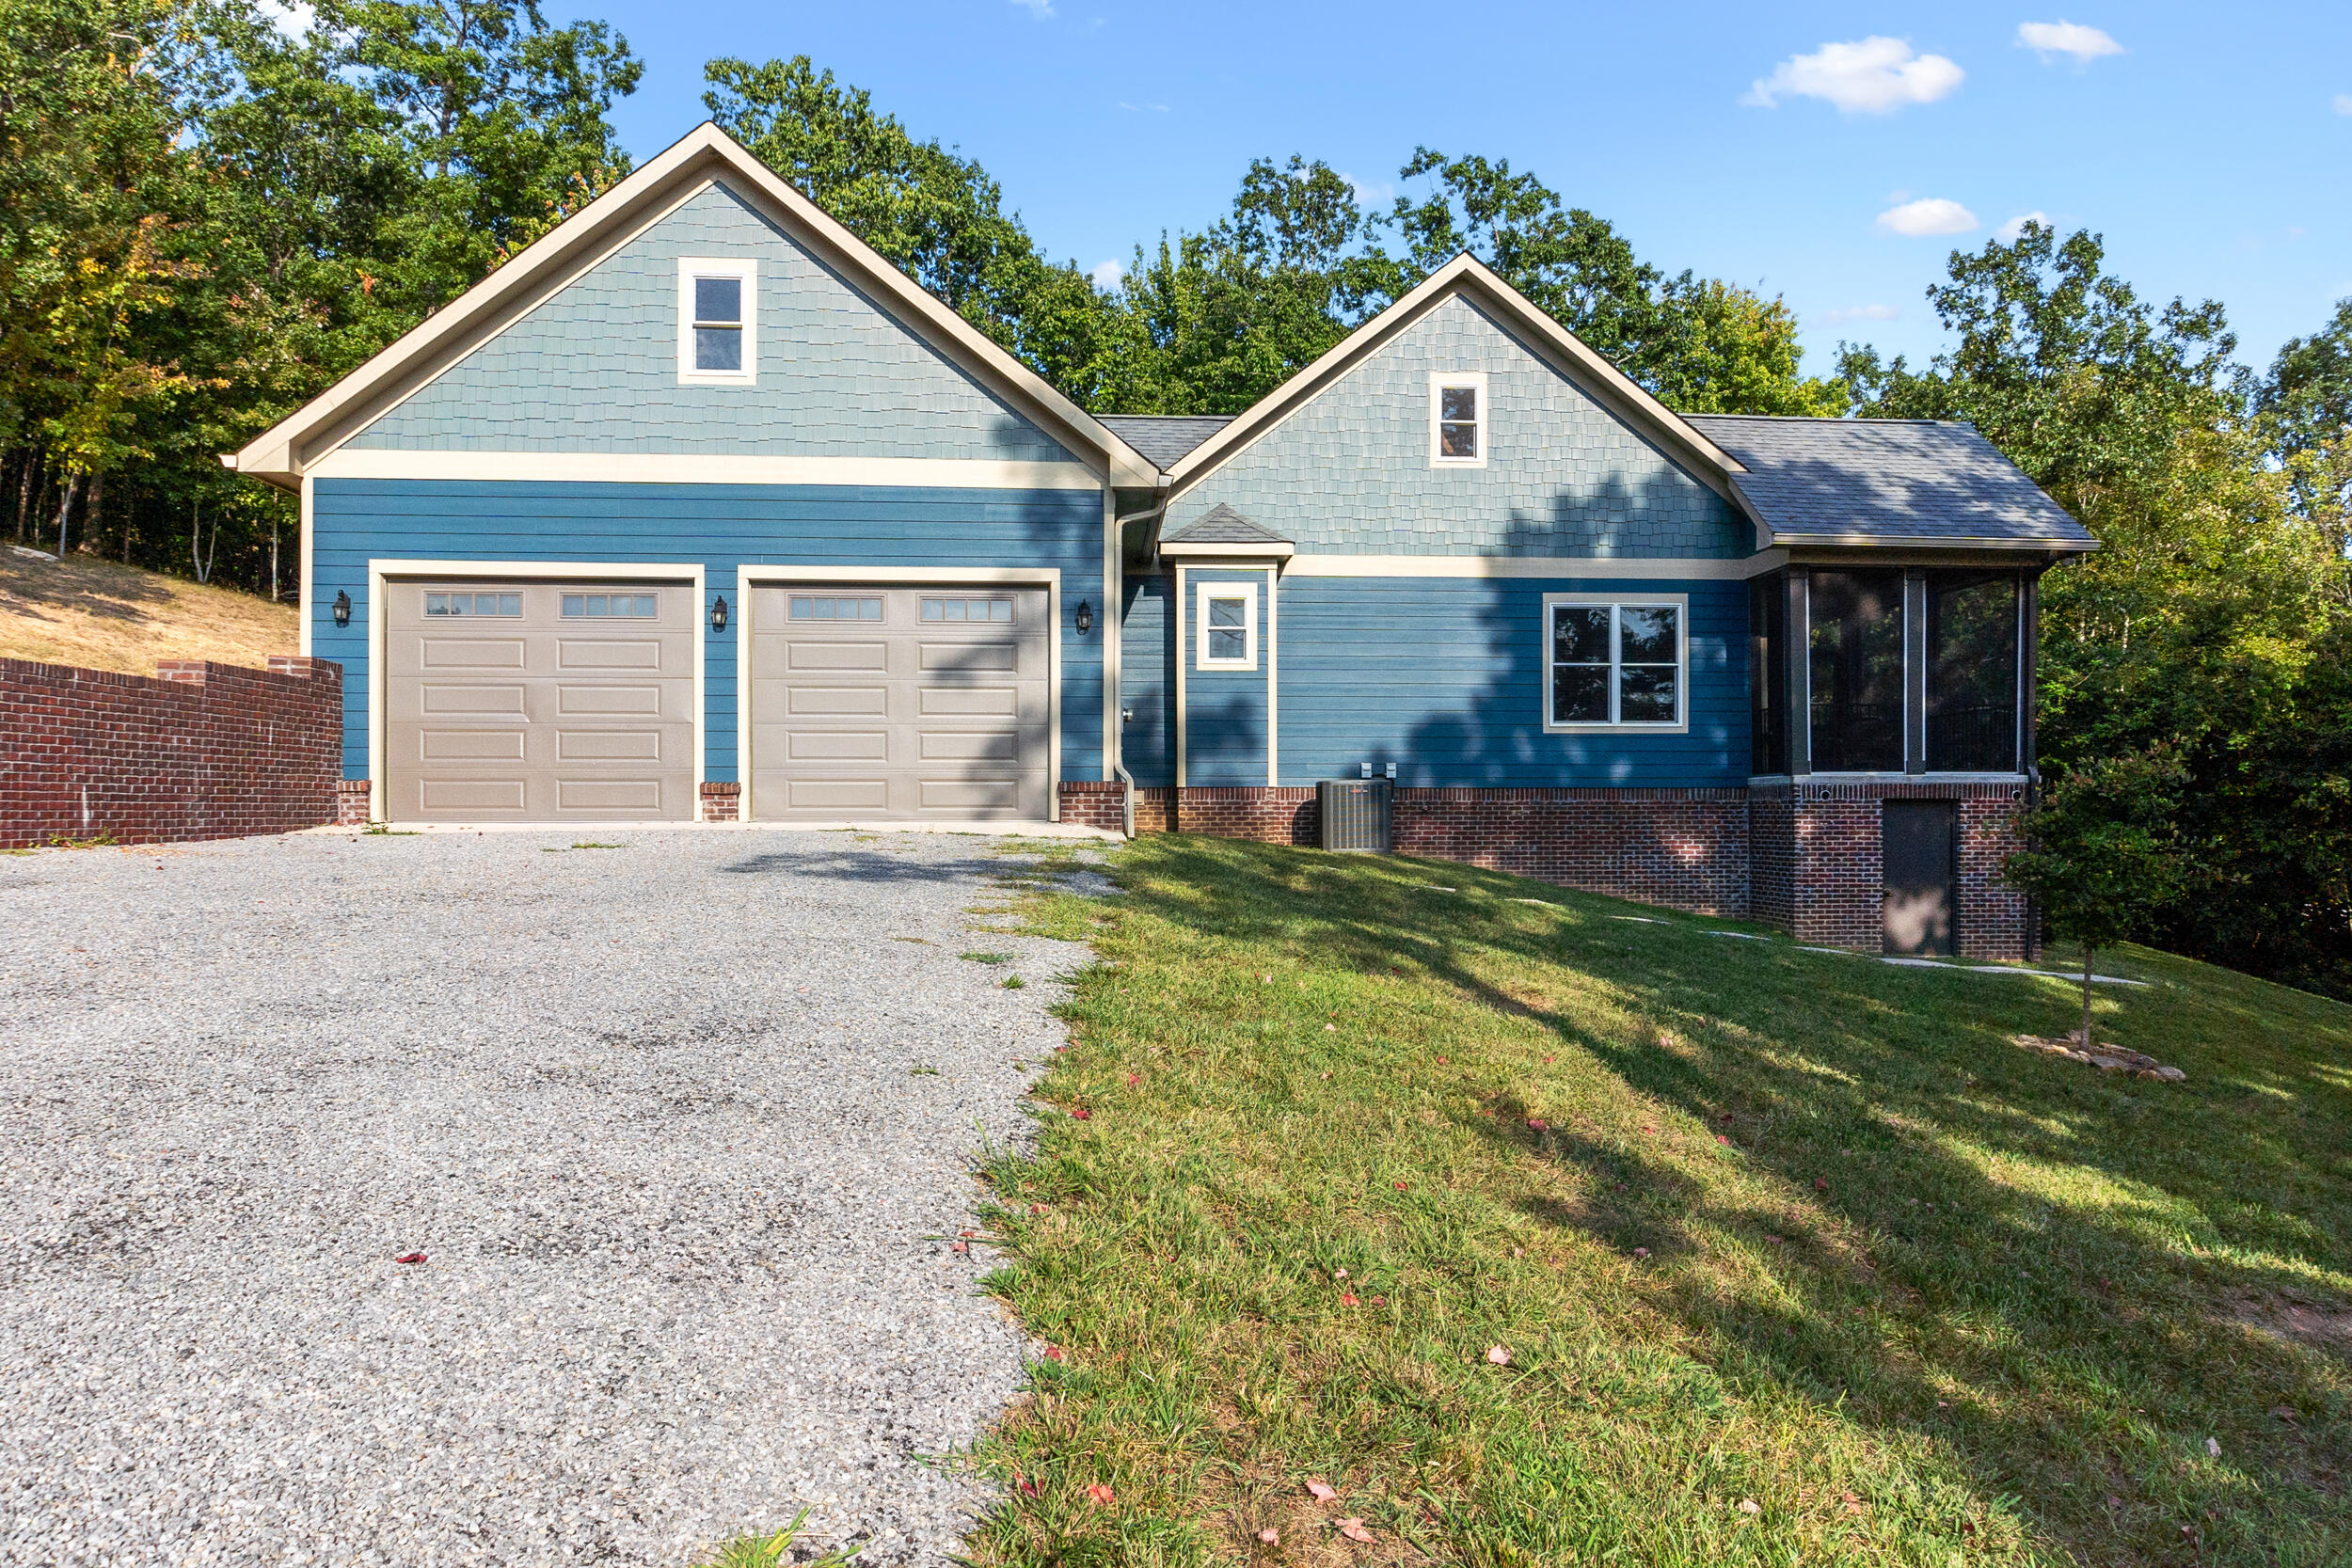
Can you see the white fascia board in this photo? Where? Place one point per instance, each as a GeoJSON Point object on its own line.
{"type": "Point", "coordinates": [700, 157]}
{"type": "Point", "coordinates": [1581, 568]}
{"type": "Point", "coordinates": [974, 473]}
{"type": "Point", "coordinates": [1562, 348]}
{"type": "Point", "coordinates": [1207, 549]}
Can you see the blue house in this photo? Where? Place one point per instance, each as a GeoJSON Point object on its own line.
{"type": "Point", "coordinates": [700, 509]}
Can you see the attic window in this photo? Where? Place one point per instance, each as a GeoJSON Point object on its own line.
{"type": "Point", "coordinates": [1457, 421]}
{"type": "Point", "coordinates": [716, 305]}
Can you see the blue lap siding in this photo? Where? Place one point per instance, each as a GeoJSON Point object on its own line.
{"type": "Point", "coordinates": [1225, 710]}
{"type": "Point", "coordinates": [719, 526]}
{"type": "Point", "coordinates": [1444, 677]}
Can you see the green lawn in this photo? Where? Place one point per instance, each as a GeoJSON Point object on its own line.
{"type": "Point", "coordinates": [1804, 1231]}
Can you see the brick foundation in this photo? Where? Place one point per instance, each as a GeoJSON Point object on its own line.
{"type": "Point", "coordinates": [350, 802]}
{"type": "Point", "coordinates": [1684, 848]}
{"type": "Point", "coordinates": [1095, 803]}
{"type": "Point", "coordinates": [202, 751]}
{"type": "Point", "coordinates": [1816, 871]}
{"type": "Point", "coordinates": [1807, 860]}
{"type": "Point", "coordinates": [722, 800]}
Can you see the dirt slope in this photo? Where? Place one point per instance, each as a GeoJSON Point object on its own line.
{"type": "Point", "coordinates": [101, 615]}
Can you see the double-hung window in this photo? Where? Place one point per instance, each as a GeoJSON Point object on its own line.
{"type": "Point", "coordinates": [1229, 626]}
{"type": "Point", "coordinates": [1615, 662]}
{"type": "Point", "coordinates": [1458, 419]}
{"type": "Point", "coordinates": [717, 329]}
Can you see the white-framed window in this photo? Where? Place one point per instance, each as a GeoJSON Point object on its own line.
{"type": "Point", "coordinates": [835, 606]}
{"type": "Point", "coordinates": [1616, 661]}
{"type": "Point", "coordinates": [717, 326]}
{"type": "Point", "coordinates": [1458, 419]}
{"type": "Point", "coordinates": [437, 605]}
{"type": "Point", "coordinates": [1227, 634]}
{"type": "Point", "coordinates": [611, 607]}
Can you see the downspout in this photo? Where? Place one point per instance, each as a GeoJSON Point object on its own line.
{"type": "Point", "coordinates": [1152, 514]}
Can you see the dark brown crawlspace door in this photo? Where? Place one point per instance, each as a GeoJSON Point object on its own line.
{"type": "Point", "coordinates": [1919, 847]}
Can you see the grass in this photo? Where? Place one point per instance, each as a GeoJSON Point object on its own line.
{"type": "Point", "coordinates": [1806, 1262]}
{"type": "Point", "coordinates": [103, 615]}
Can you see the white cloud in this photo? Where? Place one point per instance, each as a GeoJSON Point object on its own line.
{"type": "Point", "coordinates": [1929, 214]}
{"type": "Point", "coordinates": [1037, 8]}
{"type": "Point", "coordinates": [1143, 108]}
{"type": "Point", "coordinates": [2342, 102]}
{"type": "Point", "coordinates": [2008, 232]}
{"type": "Point", "coordinates": [2047, 39]}
{"type": "Point", "coordinates": [1376, 193]}
{"type": "Point", "coordinates": [1874, 76]}
{"type": "Point", "coordinates": [292, 17]}
{"type": "Point", "coordinates": [1106, 275]}
{"type": "Point", "coordinates": [1859, 313]}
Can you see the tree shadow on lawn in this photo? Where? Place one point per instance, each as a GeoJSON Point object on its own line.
{"type": "Point", "coordinates": [2041, 1269]}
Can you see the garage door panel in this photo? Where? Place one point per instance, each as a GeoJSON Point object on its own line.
{"type": "Point", "coordinates": [437, 697]}
{"type": "Point", "coordinates": [446, 745]}
{"type": "Point", "coordinates": [449, 653]}
{"type": "Point", "coordinates": [521, 712]}
{"type": "Point", "coordinates": [837, 745]}
{"type": "Point", "coordinates": [980, 657]}
{"type": "Point", "coordinates": [868, 657]}
{"type": "Point", "coordinates": [970, 795]}
{"type": "Point", "coordinates": [995, 746]}
{"type": "Point", "coordinates": [958, 701]}
{"type": "Point", "coordinates": [837, 795]}
{"type": "Point", "coordinates": [828, 700]}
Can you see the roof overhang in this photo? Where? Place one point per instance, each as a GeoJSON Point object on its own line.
{"type": "Point", "coordinates": [1555, 344]}
{"type": "Point", "coordinates": [1883, 543]}
{"type": "Point", "coordinates": [284, 453]}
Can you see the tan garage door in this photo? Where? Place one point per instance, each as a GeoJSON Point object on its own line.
{"type": "Point", "coordinates": [892, 702]}
{"type": "Point", "coordinates": [539, 702]}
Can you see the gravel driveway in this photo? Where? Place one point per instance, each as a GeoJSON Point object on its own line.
{"type": "Point", "coordinates": [663, 1118]}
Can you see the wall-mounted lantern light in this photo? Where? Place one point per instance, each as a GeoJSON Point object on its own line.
{"type": "Point", "coordinates": [1086, 617]}
{"type": "Point", "coordinates": [342, 608]}
{"type": "Point", "coordinates": [719, 613]}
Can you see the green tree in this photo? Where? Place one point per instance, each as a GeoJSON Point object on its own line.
{"type": "Point", "coordinates": [2103, 856]}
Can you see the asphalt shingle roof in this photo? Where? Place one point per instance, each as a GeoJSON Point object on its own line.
{"type": "Point", "coordinates": [1222, 525]}
{"type": "Point", "coordinates": [1900, 480]}
{"type": "Point", "coordinates": [1163, 438]}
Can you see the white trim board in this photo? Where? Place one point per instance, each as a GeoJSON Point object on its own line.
{"type": "Point", "coordinates": [380, 571]}
{"type": "Point", "coordinates": [617, 467]}
{"type": "Point", "coordinates": [749, 577]}
{"type": "Point", "coordinates": [1583, 568]}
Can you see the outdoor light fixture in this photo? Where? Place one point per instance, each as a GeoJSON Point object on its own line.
{"type": "Point", "coordinates": [1086, 617]}
{"type": "Point", "coordinates": [342, 608]}
{"type": "Point", "coordinates": [719, 613]}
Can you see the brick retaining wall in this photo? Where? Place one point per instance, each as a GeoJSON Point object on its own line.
{"type": "Point", "coordinates": [202, 751]}
{"type": "Point", "coordinates": [1684, 848]}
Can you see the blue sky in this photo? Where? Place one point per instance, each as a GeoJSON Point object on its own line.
{"type": "Point", "coordinates": [1832, 153]}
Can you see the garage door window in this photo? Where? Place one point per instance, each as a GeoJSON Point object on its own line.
{"type": "Point", "coordinates": [968, 610]}
{"type": "Point", "coordinates": [439, 605]}
{"type": "Point", "coordinates": [819, 606]}
{"type": "Point", "coordinates": [602, 606]}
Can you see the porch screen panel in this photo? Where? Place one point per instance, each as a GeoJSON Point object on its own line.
{"type": "Point", "coordinates": [1972, 673]}
{"type": "Point", "coordinates": [1855, 659]}
{"type": "Point", "coordinates": [1768, 675]}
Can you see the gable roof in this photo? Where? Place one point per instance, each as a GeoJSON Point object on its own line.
{"type": "Point", "coordinates": [1166, 437]}
{"type": "Point", "coordinates": [1221, 532]}
{"type": "Point", "coordinates": [283, 452]}
{"type": "Point", "coordinates": [1888, 481]}
{"type": "Point", "coordinates": [1567, 354]}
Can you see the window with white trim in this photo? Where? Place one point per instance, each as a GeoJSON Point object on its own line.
{"type": "Point", "coordinates": [1227, 634]}
{"type": "Point", "coordinates": [437, 605]}
{"type": "Point", "coordinates": [611, 607]}
{"type": "Point", "coordinates": [717, 301]}
{"type": "Point", "coordinates": [1458, 419]}
{"type": "Point", "coordinates": [1615, 662]}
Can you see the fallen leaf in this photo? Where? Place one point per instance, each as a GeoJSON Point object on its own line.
{"type": "Point", "coordinates": [961, 1246]}
{"type": "Point", "coordinates": [1322, 1493]}
{"type": "Point", "coordinates": [1403, 1188]}
{"type": "Point", "coordinates": [1339, 1274]}
{"type": "Point", "coordinates": [1497, 1355]}
{"type": "Point", "coordinates": [2212, 1448]}
{"type": "Point", "coordinates": [1775, 1240]}
{"type": "Point", "coordinates": [1098, 1494]}
{"type": "Point", "coordinates": [1023, 1486]}
{"type": "Point", "coordinates": [2284, 1412]}
{"type": "Point", "coordinates": [409, 1258]}
{"type": "Point", "coordinates": [1054, 1353]}
{"type": "Point", "coordinates": [1380, 1300]}
{"type": "Point", "coordinates": [1133, 1079]}
{"type": "Point", "coordinates": [1330, 1029]}
{"type": "Point", "coordinates": [1538, 1124]}
{"type": "Point", "coordinates": [1546, 1061]}
{"type": "Point", "coordinates": [1641, 1252]}
{"type": "Point", "coordinates": [1750, 1506]}
{"type": "Point", "coordinates": [1081, 1113]}
{"type": "Point", "coordinates": [1820, 1183]}
{"type": "Point", "coordinates": [1442, 1061]}
{"type": "Point", "coordinates": [1271, 1536]}
{"type": "Point", "coordinates": [1346, 1300]}
{"type": "Point", "coordinates": [1354, 1530]}
{"type": "Point", "coordinates": [2114, 1502]}
{"type": "Point", "coordinates": [1721, 1139]}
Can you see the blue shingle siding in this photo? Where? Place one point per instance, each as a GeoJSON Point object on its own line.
{"type": "Point", "coordinates": [1147, 681]}
{"type": "Point", "coordinates": [1349, 472]}
{"type": "Point", "coordinates": [594, 368]}
{"type": "Point", "coordinates": [719, 526]}
{"type": "Point", "coordinates": [1225, 710]}
{"type": "Point", "coordinates": [1444, 677]}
